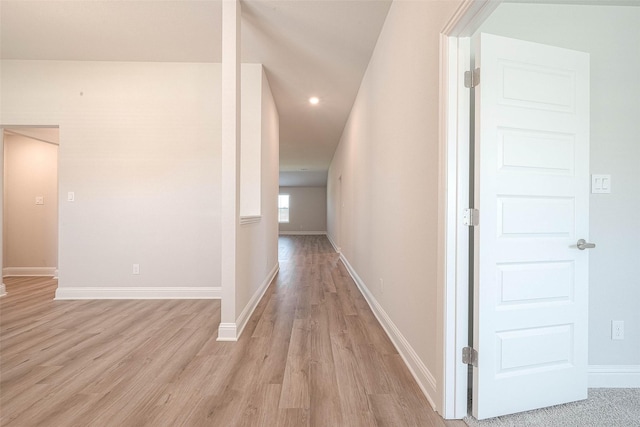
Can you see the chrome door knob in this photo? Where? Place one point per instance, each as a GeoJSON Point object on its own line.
{"type": "Point", "coordinates": [582, 245]}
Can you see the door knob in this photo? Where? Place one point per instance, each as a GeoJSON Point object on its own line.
{"type": "Point", "coordinates": [582, 245]}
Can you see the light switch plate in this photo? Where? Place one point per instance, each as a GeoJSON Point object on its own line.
{"type": "Point", "coordinates": [39, 200]}
{"type": "Point", "coordinates": [600, 184]}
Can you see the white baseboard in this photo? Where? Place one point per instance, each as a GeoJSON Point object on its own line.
{"type": "Point", "coordinates": [425, 379]}
{"type": "Point", "coordinates": [193, 292]}
{"type": "Point", "coordinates": [614, 376]}
{"type": "Point", "coordinates": [335, 247]}
{"type": "Point", "coordinates": [301, 233]}
{"type": "Point", "coordinates": [29, 271]}
{"type": "Point", "coordinates": [232, 331]}
{"type": "Point", "coordinates": [255, 299]}
{"type": "Point", "coordinates": [227, 332]}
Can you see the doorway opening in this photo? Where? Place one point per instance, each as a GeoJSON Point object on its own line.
{"type": "Point", "coordinates": [30, 202]}
{"type": "Point", "coordinates": [619, 154]}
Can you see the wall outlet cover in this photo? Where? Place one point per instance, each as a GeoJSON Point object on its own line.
{"type": "Point", "coordinates": [617, 329]}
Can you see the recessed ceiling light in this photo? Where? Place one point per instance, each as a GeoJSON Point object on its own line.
{"type": "Point", "coordinates": [314, 100]}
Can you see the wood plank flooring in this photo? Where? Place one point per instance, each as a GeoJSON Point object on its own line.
{"type": "Point", "coordinates": [312, 354]}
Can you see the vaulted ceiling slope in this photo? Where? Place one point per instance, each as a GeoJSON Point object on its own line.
{"type": "Point", "coordinates": [308, 47]}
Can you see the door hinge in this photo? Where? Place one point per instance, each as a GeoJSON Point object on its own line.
{"type": "Point", "coordinates": [471, 217]}
{"type": "Point", "coordinates": [470, 356]}
{"type": "Point", "coordinates": [472, 78]}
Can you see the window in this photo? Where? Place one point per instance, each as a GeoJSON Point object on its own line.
{"type": "Point", "coordinates": [283, 208]}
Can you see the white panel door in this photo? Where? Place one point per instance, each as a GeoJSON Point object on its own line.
{"type": "Point", "coordinates": [531, 188]}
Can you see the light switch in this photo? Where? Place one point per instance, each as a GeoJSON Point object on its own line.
{"type": "Point", "coordinates": [71, 196]}
{"type": "Point", "coordinates": [601, 183]}
{"type": "Point", "coordinates": [39, 200]}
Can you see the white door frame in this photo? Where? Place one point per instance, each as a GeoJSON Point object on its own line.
{"type": "Point", "coordinates": [455, 56]}
{"type": "Point", "coordinates": [6, 127]}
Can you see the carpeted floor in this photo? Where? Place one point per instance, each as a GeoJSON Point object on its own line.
{"type": "Point", "coordinates": [605, 407]}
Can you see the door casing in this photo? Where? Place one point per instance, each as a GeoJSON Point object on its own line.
{"type": "Point", "coordinates": [455, 59]}
{"type": "Point", "coordinates": [2, 130]}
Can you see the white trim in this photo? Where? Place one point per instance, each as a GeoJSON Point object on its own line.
{"type": "Point", "coordinates": [469, 16]}
{"type": "Point", "coordinates": [425, 379]}
{"type": "Point", "coordinates": [614, 376]}
{"type": "Point", "coordinates": [248, 310]}
{"type": "Point", "coordinates": [227, 332]}
{"type": "Point", "coordinates": [454, 138]}
{"type": "Point", "coordinates": [301, 233]}
{"type": "Point", "coordinates": [174, 292]}
{"type": "Point", "coordinates": [3, 290]}
{"type": "Point", "coordinates": [250, 219]}
{"type": "Point", "coordinates": [29, 271]}
{"type": "Point", "coordinates": [335, 247]}
{"type": "Point", "coordinates": [445, 322]}
{"type": "Point", "coordinates": [454, 282]}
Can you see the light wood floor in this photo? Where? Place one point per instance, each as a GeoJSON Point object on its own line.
{"type": "Point", "coordinates": [313, 354]}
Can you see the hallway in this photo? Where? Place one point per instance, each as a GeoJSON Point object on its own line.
{"type": "Point", "coordinates": [313, 354]}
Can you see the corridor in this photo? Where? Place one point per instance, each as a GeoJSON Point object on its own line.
{"type": "Point", "coordinates": [313, 354]}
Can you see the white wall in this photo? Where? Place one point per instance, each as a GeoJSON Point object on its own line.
{"type": "Point", "coordinates": [388, 160]}
{"type": "Point", "coordinates": [251, 136]}
{"type": "Point", "coordinates": [307, 210]}
{"type": "Point", "coordinates": [257, 244]}
{"type": "Point", "coordinates": [30, 244]}
{"type": "Point", "coordinates": [140, 147]}
{"type": "Point", "coordinates": [612, 36]}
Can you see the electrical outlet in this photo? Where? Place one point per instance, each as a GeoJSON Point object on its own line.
{"type": "Point", "coordinates": [617, 329]}
{"type": "Point", "coordinates": [136, 268]}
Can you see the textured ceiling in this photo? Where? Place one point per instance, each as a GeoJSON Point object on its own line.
{"type": "Point", "coordinates": [308, 47]}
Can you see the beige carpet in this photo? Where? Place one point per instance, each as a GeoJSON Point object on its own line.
{"type": "Point", "coordinates": [605, 407]}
